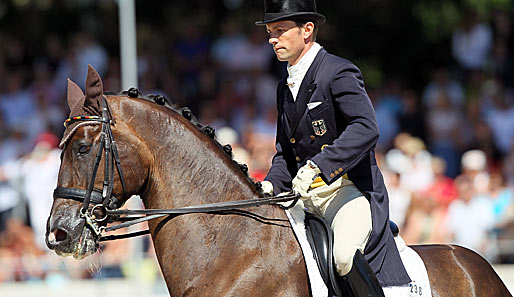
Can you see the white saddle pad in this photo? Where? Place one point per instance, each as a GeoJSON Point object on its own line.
{"type": "Point", "coordinates": [419, 287]}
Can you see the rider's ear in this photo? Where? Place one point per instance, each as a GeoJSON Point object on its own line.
{"type": "Point", "coordinates": [75, 96]}
{"type": "Point", "coordinates": [94, 91]}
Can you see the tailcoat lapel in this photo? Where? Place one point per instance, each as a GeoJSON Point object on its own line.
{"type": "Point", "coordinates": [306, 90]}
{"type": "Point", "coordinates": [288, 104]}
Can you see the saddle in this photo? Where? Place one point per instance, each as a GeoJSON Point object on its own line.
{"type": "Point", "coordinates": [321, 240]}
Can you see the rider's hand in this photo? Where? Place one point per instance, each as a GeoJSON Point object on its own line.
{"type": "Point", "coordinates": [267, 187]}
{"type": "Point", "coordinates": [304, 178]}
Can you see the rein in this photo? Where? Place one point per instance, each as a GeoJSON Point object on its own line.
{"type": "Point", "coordinates": [105, 200]}
{"type": "Point", "coordinates": [231, 207]}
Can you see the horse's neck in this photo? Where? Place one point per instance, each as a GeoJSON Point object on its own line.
{"type": "Point", "coordinates": [227, 255]}
{"type": "Point", "coordinates": [187, 167]}
{"type": "Point", "coordinates": [193, 172]}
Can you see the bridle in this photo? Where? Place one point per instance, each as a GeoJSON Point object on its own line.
{"type": "Point", "coordinates": [100, 198]}
{"type": "Point", "coordinates": [110, 204]}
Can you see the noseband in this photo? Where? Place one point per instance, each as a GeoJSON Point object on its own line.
{"type": "Point", "coordinates": [100, 198]}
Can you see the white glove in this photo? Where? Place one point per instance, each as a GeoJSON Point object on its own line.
{"type": "Point", "coordinates": [304, 178]}
{"type": "Point", "coordinates": [267, 187]}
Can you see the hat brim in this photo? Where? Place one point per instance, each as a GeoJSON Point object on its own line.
{"type": "Point", "coordinates": [276, 17]}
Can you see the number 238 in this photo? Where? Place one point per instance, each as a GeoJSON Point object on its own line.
{"type": "Point", "coordinates": [415, 289]}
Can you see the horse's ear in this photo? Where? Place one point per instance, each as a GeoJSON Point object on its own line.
{"type": "Point", "coordinates": [75, 95]}
{"type": "Point", "coordinates": [94, 90]}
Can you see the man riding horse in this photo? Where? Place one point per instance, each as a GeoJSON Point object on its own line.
{"type": "Point", "coordinates": [326, 135]}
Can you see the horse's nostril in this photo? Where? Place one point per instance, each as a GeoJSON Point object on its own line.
{"type": "Point", "coordinates": [60, 235]}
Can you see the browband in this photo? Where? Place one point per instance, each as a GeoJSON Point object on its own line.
{"type": "Point", "coordinates": [72, 120]}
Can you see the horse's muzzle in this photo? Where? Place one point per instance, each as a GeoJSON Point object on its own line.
{"type": "Point", "coordinates": [59, 239]}
{"type": "Point", "coordinates": [70, 238]}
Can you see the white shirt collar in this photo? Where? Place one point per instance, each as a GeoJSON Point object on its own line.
{"type": "Point", "coordinates": [297, 72]}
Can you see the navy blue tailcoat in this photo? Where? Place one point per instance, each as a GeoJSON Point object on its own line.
{"type": "Point", "coordinates": [339, 135]}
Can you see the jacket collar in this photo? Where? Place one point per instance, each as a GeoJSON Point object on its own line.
{"type": "Point", "coordinates": [297, 72]}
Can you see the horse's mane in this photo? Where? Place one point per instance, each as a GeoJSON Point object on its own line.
{"type": "Point", "coordinates": [188, 114]}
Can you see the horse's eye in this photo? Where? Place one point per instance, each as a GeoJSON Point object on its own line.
{"type": "Point", "coordinates": [84, 149]}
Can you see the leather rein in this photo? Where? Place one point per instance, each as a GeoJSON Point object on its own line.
{"type": "Point", "coordinates": [106, 201]}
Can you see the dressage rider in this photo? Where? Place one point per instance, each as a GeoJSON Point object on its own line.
{"type": "Point", "coordinates": [326, 135]}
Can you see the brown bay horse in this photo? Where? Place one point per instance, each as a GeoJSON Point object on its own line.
{"type": "Point", "coordinates": [170, 163]}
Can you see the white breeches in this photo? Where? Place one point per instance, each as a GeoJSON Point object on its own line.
{"type": "Point", "coordinates": [352, 223]}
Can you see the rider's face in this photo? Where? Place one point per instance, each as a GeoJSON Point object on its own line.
{"type": "Point", "coordinates": [287, 39]}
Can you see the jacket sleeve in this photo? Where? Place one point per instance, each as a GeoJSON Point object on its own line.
{"type": "Point", "coordinates": [278, 174]}
{"type": "Point", "coordinates": [361, 133]}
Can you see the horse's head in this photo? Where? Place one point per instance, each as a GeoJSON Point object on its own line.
{"type": "Point", "coordinates": [96, 173]}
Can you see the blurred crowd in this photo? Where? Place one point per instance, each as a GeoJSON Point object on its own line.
{"type": "Point", "coordinates": [446, 151]}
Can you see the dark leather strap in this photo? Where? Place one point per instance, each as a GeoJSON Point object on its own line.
{"type": "Point", "coordinates": [123, 236]}
{"type": "Point", "coordinates": [78, 194]}
{"type": "Point", "coordinates": [208, 208]}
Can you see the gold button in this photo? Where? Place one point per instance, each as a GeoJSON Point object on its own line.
{"type": "Point", "coordinates": [292, 140]}
{"type": "Point", "coordinates": [297, 159]}
{"type": "Point", "coordinates": [340, 170]}
{"type": "Point", "coordinates": [332, 175]}
{"type": "Point", "coordinates": [312, 137]}
{"type": "Point", "coordinates": [324, 146]}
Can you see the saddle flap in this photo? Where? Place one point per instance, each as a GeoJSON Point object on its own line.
{"type": "Point", "coordinates": [321, 239]}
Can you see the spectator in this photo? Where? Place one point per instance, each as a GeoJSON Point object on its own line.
{"type": "Point", "coordinates": [412, 161]}
{"type": "Point", "coordinates": [471, 43]}
{"type": "Point", "coordinates": [190, 53]}
{"type": "Point", "coordinates": [13, 143]}
{"type": "Point", "coordinates": [442, 190]}
{"type": "Point", "coordinates": [9, 199]}
{"type": "Point", "coordinates": [37, 188]}
{"type": "Point", "coordinates": [442, 83]}
{"type": "Point", "coordinates": [474, 165]}
{"type": "Point", "coordinates": [470, 217]}
{"type": "Point", "coordinates": [500, 119]}
{"type": "Point", "coordinates": [443, 124]}
{"type": "Point", "coordinates": [412, 116]}
{"type": "Point", "coordinates": [475, 133]}
{"type": "Point", "coordinates": [388, 106]}
{"type": "Point", "coordinates": [388, 123]}
{"type": "Point", "coordinates": [502, 198]}
{"type": "Point", "coordinates": [18, 106]}
{"type": "Point", "coordinates": [230, 38]}
{"type": "Point", "coordinates": [87, 50]}
{"type": "Point", "coordinates": [399, 198]}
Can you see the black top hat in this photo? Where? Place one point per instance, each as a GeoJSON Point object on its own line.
{"type": "Point", "coordinates": [280, 10]}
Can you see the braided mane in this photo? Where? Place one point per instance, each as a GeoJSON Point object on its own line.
{"type": "Point", "coordinates": [187, 114]}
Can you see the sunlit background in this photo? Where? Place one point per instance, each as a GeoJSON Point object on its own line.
{"type": "Point", "coordinates": [440, 74]}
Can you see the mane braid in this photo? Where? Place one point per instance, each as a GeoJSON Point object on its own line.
{"type": "Point", "coordinates": [205, 129]}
